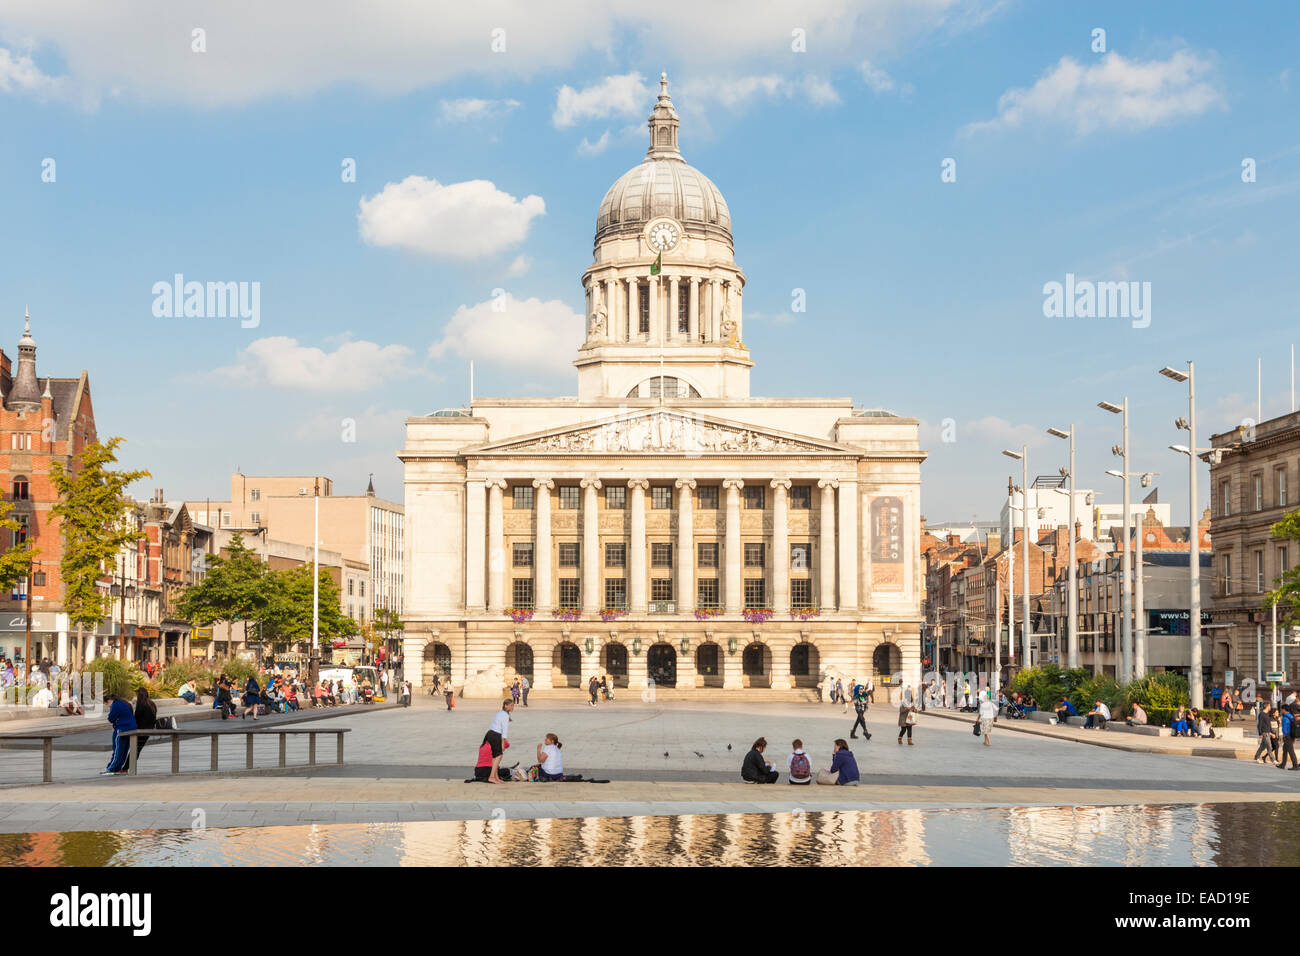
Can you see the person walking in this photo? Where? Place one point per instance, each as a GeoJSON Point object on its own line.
{"type": "Point", "coordinates": [1290, 729]}
{"type": "Point", "coordinates": [1264, 728]}
{"type": "Point", "coordinates": [860, 706]}
{"type": "Point", "coordinates": [965, 693]}
{"type": "Point", "coordinates": [122, 718]}
{"type": "Point", "coordinates": [593, 689]}
{"type": "Point", "coordinates": [448, 692]}
{"type": "Point", "coordinates": [871, 690]}
{"type": "Point", "coordinates": [755, 769]}
{"type": "Point", "coordinates": [943, 694]}
{"type": "Point", "coordinates": [906, 718]}
{"type": "Point", "coordinates": [844, 700]}
{"type": "Point", "coordinates": [524, 687]}
{"type": "Point", "coordinates": [406, 693]}
{"type": "Point", "coordinates": [988, 717]}
{"type": "Point", "coordinates": [515, 690]}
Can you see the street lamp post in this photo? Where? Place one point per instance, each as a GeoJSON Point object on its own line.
{"type": "Point", "coordinates": [1073, 625]}
{"type": "Point", "coordinates": [1023, 457]}
{"type": "Point", "coordinates": [1126, 625]}
{"type": "Point", "coordinates": [1193, 527]}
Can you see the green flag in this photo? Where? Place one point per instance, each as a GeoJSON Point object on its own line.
{"type": "Point", "coordinates": [656, 267]}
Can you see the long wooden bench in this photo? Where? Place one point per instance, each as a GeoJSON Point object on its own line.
{"type": "Point", "coordinates": [215, 735]}
{"type": "Point", "coordinates": [47, 751]}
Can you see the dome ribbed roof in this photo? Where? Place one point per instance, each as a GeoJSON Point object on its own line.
{"type": "Point", "coordinates": [663, 184]}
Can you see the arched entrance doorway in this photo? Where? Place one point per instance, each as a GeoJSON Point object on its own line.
{"type": "Point", "coordinates": [805, 665]}
{"type": "Point", "coordinates": [661, 665]}
{"type": "Point", "coordinates": [437, 660]}
{"type": "Point", "coordinates": [757, 664]}
{"type": "Point", "coordinates": [566, 665]}
{"type": "Point", "coordinates": [519, 661]}
{"type": "Point", "coordinates": [886, 660]}
{"type": "Point", "coordinates": [613, 659]}
{"type": "Point", "coordinates": [708, 664]}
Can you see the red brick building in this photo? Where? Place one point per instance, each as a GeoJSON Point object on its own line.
{"type": "Point", "coordinates": [42, 420]}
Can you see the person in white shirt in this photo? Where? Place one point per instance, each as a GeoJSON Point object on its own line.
{"type": "Point", "coordinates": [802, 773]}
{"type": "Point", "coordinates": [551, 767]}
{"type": "Point", "coordinates": [497, 733]}
{"type": "Point", "coordinates": [1098, 716]}
{"type": "Point", "coordinates": [42, 698]}
{"type": "Point", "coordinates": [988, 716]}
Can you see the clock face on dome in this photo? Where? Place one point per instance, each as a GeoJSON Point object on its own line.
{"type": "Point", "coordinates": [663, 234]}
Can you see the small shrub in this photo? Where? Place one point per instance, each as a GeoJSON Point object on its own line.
{"type": "Point", "coordinates": [121, 679]}
{"type": "Point", "coordinates": [1164, 716]}
{"type": "Point", "coordinates": [1160, 691]}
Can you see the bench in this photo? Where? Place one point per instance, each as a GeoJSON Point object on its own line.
{"type": "Point", "coordinates": [248, 734]}
{"type": "Point", "coordinates": [1147, 730]}
{"type": "Point", "coordinates": [47, 751]}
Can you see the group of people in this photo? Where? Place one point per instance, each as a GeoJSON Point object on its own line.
{"type": "Point", "coordinates": [856, 689]}
{"type": "Point", "coordinates": [843, 770]}
{"type": "Point", "coordinates": [488, 769]}
{"type": "Point", "coordinates": [600, 687]}
{"type": "Point", "coordinates": [123, 718]}
{"type": "Point", "coordinates": [441, 684]}
{"type": "Point", "coordinates": [1278, 726]}
{"type": "Point", "coordinates": [519, 688]}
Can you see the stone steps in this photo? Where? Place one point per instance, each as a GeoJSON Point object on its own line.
{"type": "Point", "coordinates": [696, 694]}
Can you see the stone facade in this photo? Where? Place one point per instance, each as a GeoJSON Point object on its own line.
{"type": "Point", "coordinates": [663, 526]}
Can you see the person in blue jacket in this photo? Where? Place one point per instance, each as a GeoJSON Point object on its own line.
{"type": "Point", "coordinates": [252, 697]}
{"type": "Point", "coordinates": [1065, 711]}
{"type": "Point", "coordinates": [122, 718]}
{"type": "Point", "coordinates": [844, 762]}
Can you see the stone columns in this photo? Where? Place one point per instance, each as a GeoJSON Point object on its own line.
{"type": "Point", "coordinates": [656, 325]}
{"type": "Point", "coordinates": [542, 545]}
{"type": "Point", "coordinates": [633, 312]}
{"type": "Point", "coordinates": [590, 546]}
{"type": "Point", "coordinates": [848, 544]}
{"type": "Point", "coordinates": [413, 655]}
{"type": "Point", "coordinates": [674, 296]}
{"type": "Point", "coordinates": [475, 540]}
{"type": "Point", "coordinates": [693, 311]}
{"type": "Point", "coordinates": [733, 558]}
{"type": "Point", "coordinates": [781, 666]}
{"type": "Point", "coordinates": [715, 309]}
{"type": "Point", "coordinates": [826, 545]}
{"type": "Point", "coordinates": [636, 548]}
{"type": "Point", "coordinates": [780, 548]}
{"type": "Point", "coordinates": [685, 546]}
{"type": "Point", "coordinates": [496, 546]}
{"type": "Point", "coordinates": [611, 307]}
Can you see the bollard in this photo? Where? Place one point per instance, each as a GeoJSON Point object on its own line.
{"type": "Point", "coordinates": [176, 754]}
{"type": "Point", "coordinates": [249, 752]}
{"type": "Point", "coordinates": [214, 751]}
{"type": "Point", "coordinates": [283, 740]}
{"type": "Point", "coordinates": [340, 739]}
{"type": "Point", "coordinates": [47, 760]}
{"type": "Point", "coordinates": [311, 749]}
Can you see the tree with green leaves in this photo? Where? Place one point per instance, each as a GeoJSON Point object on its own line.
{"type": "Point", "coordinates": [287, 615]}
{"type": "Point", "coordinates": [92, 501]}
{"type": "Point", "coordinates": [232, 590]}
{"type": "Point", "coordinates": [16, 560]}
{"type": "Point", "coordinates": [1287, 593]}
{"type": "Point", "coordinates": [387, 623]}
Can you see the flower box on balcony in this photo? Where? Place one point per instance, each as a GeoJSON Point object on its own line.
{"type": "Point", "coordinates": [804, 613]}
{"type": "Point", "coordinates": [608, 614]}
{"type": "Point", "coordinates": [757, 615]}
{"type": "Point", "coordinates": [704, 613]}
{"type": "Point", "coordinates": [519, 614]}
{"type": "Point", "coordinates": [566, 614]}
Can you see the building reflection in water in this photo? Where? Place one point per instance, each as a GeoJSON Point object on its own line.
{"type": "Point", "coordinates": [1242, 834]}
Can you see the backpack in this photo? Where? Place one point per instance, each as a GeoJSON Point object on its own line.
{"type": "Point", "coordinates": [1295, 728]}
{"type": "Point", "coordinates": [800, 767]}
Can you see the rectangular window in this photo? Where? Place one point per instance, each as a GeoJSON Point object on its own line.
{"type": "Point", "coordinates": [1225, 500]}
{"type": "Point", "coordinates": [706, 497]}
{"type": "Point", "coordinates": [38, 578]}
{"type": "Point", "coordinates": [20, 489]}
{"type": "Point", "coordinates": [1259, 571]}
{"type": "Point", "coordinates": [800, 592]}
{"type": "Point", "coordinates": [1279, 484]}
{"type": "Point", "coordinates": [523, 554]}
{"type": "Point", "coordinates": [616, 555]}
{"type": "Point", "coordinates": [225, 519]}
{"type": "Point", "coordinates": [351, 583]}
{"type": "Point", "coordinates": [615, 592]}
{"type": "Point", "coordinates": [684, 307]}
{"type": "Point", "coordinates": [1227, 574]}
{"type": "Point", "coordinates": [661, 589]}
{"type": "Point", "coordinates": [255, 517]}
{"type": "Point", "coordinates": [361, 586]}
{"type": "Point", "coordinates": [1257, 482]}
{"type": "Point", "coordinates": [661, 555]}
{"type": "Point", "coordinates": [801, 497]}
{"type": "Point", "coordinates": [755, 592]}
{"type": "Point", "coordinates": [754, 554]}
{"type": "Point", "coordinates": [1282, 564]}
{"type": "Point", "coordinates": [754, 496]}
{"type": "Point", "coordinates": [569, 496]}
{"type": "Point", "coordinates": [521, 594]}
{"type": "Point", "coordinates": [661, 496]}
{"type": "Point", "coordinates": [568, 554]}
{"type": "Point", "coordinates": [20, 533]}
{"type": "Point", "coordinates": [800, 557]}
{"type": "Point", "coordinates": [255, 494]}
{"type": "Point", "coordinates": [615, 497]}
{"type": "Point", "coordinates": [570, 592]}
{"type": "Point", "coordinates": [706, 592]}
{"type": "Point", "coordinates": [708, 554]}
{"type": "Point", "coordinates": [643, 306]}
{"type": "Point", "coordinates": [523, 497]}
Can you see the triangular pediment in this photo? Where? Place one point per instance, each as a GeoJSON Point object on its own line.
{"type": "Point", "coordinates": [663, 431]}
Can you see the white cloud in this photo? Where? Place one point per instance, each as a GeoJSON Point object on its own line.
{"type": "Point", "coordinates": [281, 362]}
{"type": "Point", "coordinates": [21, 75]}
{"type": "Point", "coordinates": [519, 266]}
{"type": "Point", "coordinates": [522, 333]}
{"type": "Point", "coordinates": [876, 78]}
{"type": "Point", "coordinates": [624, 95]}
{"type": "Point", "coordinates": [369, 425]}
{"type": "Point", "coordinates": [588, 148]}
{"type": "Point", "coordinates": [1114, 93]}
{"type": "Point", "coordinates": [471, 108]}
{"type": "Point", "coordinates": [460, 220]}
{"type": "Point", "coordinates": [738, 92]}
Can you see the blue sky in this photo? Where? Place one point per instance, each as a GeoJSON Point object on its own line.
{"type": "Point", "coordinates": [923, 296]}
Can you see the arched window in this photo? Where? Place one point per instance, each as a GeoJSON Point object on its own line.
{"type": "Point", "coordinates": [19, 491]}
{"type": "Point", "coordinates": [663, 386]}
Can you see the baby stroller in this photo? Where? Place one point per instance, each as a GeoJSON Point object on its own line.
{"type": "Point", "coordinates": [1016, 710]}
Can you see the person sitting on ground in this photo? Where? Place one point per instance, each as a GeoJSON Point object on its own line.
{"type": "Point", "coordinates": [844, 768]}
{"type": "Point", "coordinates": [1098, 716]}
{"type": "Point", "coordinates": [755, 769]}
{"type": "Point", "coordinates": [1178, 725]}
{"type": "Point", "coordinates": [550, 766]}
{"type": "Point", "coordinates": [799, 763]}
{"type": "Point", "coordinates": [42, 698]}
{"type": "Point", "coordinates": [483, 769]}
{"type": "Point", "coordinates": [188, 692]}
{"type": "Point", "coordinates": [1203, 727]}
{"type": "Point", "coordinates": [291, 697]}
{"type": "Point", "coordinates": [1031, 705]}
{"type": "Point", "coordinates": [1065, 711]}
{"type": "Point", "coordinates": [68, 701]}
{"type": "Point", "coordinates": [1138, 718]}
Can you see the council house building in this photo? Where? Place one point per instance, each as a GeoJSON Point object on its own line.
{"type": "Point", "coordinates": [663, 526]}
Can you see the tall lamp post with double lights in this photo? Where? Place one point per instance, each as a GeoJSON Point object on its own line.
{"type": "Point", "coordinates": [1023, 457]}
{"type": "Point", "coordinates": [1193, 525]}
{"type": "Point", "coordinates": [1073, 598]}
{"type": "Point", "coordinates": [1125, 574]}
{"type": "Point", "coordinates": [1136, 666]}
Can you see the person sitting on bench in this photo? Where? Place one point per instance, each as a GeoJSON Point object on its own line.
{"type": "Point", "coordinates": [1065, 711]}
{"type": "Point", "coordinates": [1098, 716]}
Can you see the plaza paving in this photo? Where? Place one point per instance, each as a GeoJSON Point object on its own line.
{"type": "Point", "coordinates": [664, 758]}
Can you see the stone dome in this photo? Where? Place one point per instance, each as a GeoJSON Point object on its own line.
{"type": "Point", "coordinates": [663, 184]}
